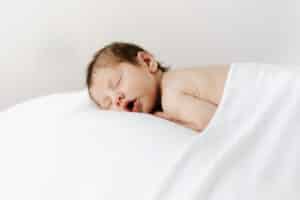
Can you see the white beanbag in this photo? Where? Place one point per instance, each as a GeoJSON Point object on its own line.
{"type": "Point", "coordinates": [63, 147]}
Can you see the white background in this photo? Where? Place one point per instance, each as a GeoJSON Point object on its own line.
{"type": "Point", "coordinates": [46, 45]}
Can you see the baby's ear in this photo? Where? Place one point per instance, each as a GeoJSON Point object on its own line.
{"type": "Point", "coordinates": [148, 60]}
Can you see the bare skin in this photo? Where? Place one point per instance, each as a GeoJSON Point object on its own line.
{"type": "Point", "coordinates": [189, 96]}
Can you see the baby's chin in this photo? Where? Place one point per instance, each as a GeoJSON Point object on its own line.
{"type": "Point", "coordinates": [145, 107]}
{"type": "Point", "coordinates": [150, 108]}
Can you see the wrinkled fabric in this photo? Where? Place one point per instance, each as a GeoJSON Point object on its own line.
{"type": "Point", "coordinates": [251, 147]}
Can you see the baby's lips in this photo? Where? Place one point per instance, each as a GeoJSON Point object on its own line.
{"type": "Point", "coordinates": [137, 106]}
{"type": "Point", "coordinates": [124, 105]}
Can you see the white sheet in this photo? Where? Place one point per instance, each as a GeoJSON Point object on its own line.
{"type": "Point", "coordinates": [251, 148]}
{"type": "Point", "coordinates": [62, 147]}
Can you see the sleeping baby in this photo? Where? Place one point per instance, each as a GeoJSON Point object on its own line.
{"type": "Point", "coordinates": [125, 77]}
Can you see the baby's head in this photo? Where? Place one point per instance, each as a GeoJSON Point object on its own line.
{"type": "Point", "coordinates": [125, 77]}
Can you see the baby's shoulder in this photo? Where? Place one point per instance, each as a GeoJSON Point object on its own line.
{"type": "Point", "coordinates": [171, 85]}
{"type": "Point", "coordinates": [172, 79]}
{"type": "Point", "coordinates": [180, 79]}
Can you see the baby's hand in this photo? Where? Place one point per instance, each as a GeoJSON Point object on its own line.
{"type": "Point", "coordinates": [171, 118]}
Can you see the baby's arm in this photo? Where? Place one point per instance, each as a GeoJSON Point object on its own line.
{"type": "Point", "coordinates": [188, 110]}
{"type": "Point", "coordinates": [169, 117]}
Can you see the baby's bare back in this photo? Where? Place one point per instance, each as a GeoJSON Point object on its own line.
{"type": "Point", "coordinates": [190, 96]}
{"type": "Point", "coordinates": [204, 82]}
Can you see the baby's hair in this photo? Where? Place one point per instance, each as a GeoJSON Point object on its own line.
{"type": "Point", "coordinates": [113, 54]}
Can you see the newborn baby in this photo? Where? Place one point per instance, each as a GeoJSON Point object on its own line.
{"type": "Point", "coordinates": [125, 77]}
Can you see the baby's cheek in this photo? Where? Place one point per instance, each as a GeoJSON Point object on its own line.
{"type": "Point", "coordinates": [146, 106]}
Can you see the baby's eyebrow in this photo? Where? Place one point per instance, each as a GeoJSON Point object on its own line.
{"type": "Point", "coordinates": [112, 80]}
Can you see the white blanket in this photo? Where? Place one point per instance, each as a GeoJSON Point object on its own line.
{"type": "Point", "coordinates": [251, 148]}
{"type": "Point", "coordinates": [62, 147]}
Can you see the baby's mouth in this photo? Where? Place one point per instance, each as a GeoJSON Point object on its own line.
{"type": "Point", "coordinates": [132, 106]}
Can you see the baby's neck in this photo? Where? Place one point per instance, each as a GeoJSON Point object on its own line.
{"type": "Point", "coordinates": [158, 78]}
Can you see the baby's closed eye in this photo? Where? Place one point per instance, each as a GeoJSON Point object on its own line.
{"type": "Point", "coordinates": [114, 83]}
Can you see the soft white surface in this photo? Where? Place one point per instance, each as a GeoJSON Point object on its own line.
{"type": "Point", "coordinates": [46, 44]}
{"type": "Point", "coordinates": [62, 147]}
{"type": "Point", "coordinates": [250, 149]}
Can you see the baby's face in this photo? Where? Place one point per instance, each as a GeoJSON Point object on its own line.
{"type": "Point", "coordinates": [124, 88]}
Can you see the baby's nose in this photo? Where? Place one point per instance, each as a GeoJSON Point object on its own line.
{"type": "Point", "coordinates": [118, 99]}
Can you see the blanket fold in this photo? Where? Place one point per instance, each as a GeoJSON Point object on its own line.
{"type": "Point", "coordinates": [62, 147]}
{"type": "Point", "coordinates": [251, 147]}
